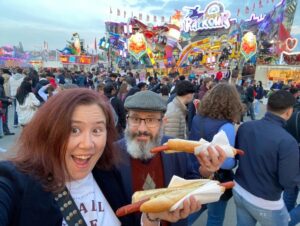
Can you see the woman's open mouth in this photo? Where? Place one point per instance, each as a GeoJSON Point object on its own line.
{"type": "Point", "coordinates": [81, 160]}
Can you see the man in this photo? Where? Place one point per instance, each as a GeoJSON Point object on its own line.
{"type": "Point", "coordinates": [110, 92]}
{"type": "Point", "coordinates": [14, 83]}
{"type": "Point", "coordinates": [42, 82]}
{"type": "Point", "coordinates": [235, 75]}
{"type": "Point", "coordinates": [176, 124]}
{"type": "Point", "coordinates": [269, 166]}
{"type": "Point", "coordinates": [250, 96]}
{"type": "Point", "coordinates": [227, 74]}
{"type": "Point", "coordinates": [141, 170]}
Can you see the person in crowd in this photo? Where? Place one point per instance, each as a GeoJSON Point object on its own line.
{"type": "Point", "coordinates": [142, 86]}
{"type": "Point", "coordinates": [123, 91]}
{"type": "Point", "coordinates": [42, 82]}
{"type": "Point", "coordinates": [290, 195]}
{"type": "Point", "coordinates": [206, 85]}
{"type": "Point", "coordinates": [220, 109]}
{"type": "Point", "coordinates": [81, 79]}
{"type": "Point", "coordinates": [110, 92]}
{"type": "Point", "coordinates": [27, 103]}
{"type": "Point", "coordinates": [227, 74]}
{"type": "Point", "coordinates": [100, 88]}
{"type": "Point", "coordinates": [46, 92]}
{"type": "Point", "coordinates": [14, 83]}
{"type": "Point", "coordinates": [176, 124]}
{"type": "Point", "coordinates": [250, 97]}
{"type": "Point", "coordinates": [219, 75]}
{"type": "Point", "coordinates": [258, 98]}
{"type": "Point", "coordinates": [6, 75]}
{"type": "Point", "coordinates": [141, 170]}
{"type": "Point", "coordinates": [64, 170]}
{"type": "Point", "coordinates": [164, 92]}
{"type": "Point", "coordinates": [234, 75]}
{"type": "Point", "coordinates": [269, 166]}
{"type": "Point", "coordinates": [277, 86]}
{"type": "Point", "coordinates": [5, 102]}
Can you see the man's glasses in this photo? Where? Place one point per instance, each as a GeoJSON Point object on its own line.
{"type": "Point", "coordinates": [149, 122]}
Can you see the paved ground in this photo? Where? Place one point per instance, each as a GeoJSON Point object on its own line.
{"type": "Point", "coordinates": [7, 142]}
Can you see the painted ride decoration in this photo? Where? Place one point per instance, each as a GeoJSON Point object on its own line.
{"type": "Point", "coordinates": [208, 37]}
{"type": "Point", "coordinates": [75, 54]}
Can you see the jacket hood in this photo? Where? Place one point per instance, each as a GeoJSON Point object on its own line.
{"type": "Point", "coordinates": [17, 76]}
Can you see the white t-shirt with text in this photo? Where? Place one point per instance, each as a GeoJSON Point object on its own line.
{"type": "Point", "coordinates": [91, 202]}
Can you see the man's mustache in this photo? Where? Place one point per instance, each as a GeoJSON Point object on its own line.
{"type": "Point", "coordinates": [139, 134]}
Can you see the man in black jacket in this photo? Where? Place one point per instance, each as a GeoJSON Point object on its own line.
{"type": "Point", "coordinates": [110, 92]}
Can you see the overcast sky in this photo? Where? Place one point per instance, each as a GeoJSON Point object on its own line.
{"type": "Point", "coordinates": [33, 21]}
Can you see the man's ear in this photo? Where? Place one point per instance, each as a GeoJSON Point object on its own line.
{"type": "Point", "coordinates": [164, 120]}
{"type": "Point", "coordinates": [289, 113]}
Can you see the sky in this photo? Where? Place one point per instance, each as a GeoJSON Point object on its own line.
{"type": "Point", "coordinates": [34, 21]}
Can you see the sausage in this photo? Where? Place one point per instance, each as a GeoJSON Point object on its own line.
{"type": "Point", "coordinates": [130, 208]}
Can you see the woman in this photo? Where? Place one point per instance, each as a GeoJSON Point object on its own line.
{"type": "Point", "coordinates": [123, 91]}
{"type": "Point", "coordinates": [63, 172]}
{"type": "Point", "coordinates": [206, 85]}
{"type": "Point", "coordinates": [258, 98]}
{"type": "Point", "coordinates": [220, 109]}
{"type": "Point", "coordinates": [27, 103]}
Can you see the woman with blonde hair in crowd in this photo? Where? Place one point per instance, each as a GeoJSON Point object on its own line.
{"type": "Point", "coordinates": [220, 109]}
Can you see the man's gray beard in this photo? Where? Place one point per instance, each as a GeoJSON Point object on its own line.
{"type": "Point", "coordinates": [140, 149]}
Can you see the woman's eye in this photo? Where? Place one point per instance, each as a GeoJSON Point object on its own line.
{"type": "Point", "coordinates": [75, 130]}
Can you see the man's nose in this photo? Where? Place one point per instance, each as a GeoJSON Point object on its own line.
{"type": "Point", "coordinates": [143, 126]}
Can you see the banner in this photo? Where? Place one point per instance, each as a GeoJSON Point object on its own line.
{"type": "Point", "coordinates": [284, 75]}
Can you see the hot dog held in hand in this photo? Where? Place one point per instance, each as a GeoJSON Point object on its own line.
{"type": "Point", "coordinates": [196, 147]}
{"type": "Point", "coordinates": [176, 197]}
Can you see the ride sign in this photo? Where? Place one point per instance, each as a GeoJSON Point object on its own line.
{"type": "Point", "coordinates": [213, 16]}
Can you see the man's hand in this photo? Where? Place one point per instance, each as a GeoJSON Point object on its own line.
{"type": "Point", "coordinates": [212, 162]}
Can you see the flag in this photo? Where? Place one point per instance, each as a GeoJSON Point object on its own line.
{"type": "Point", "coordinates": [110, 10]}
{"type": "Point", "coordinates": [247, 10]}
{"type": "Point", "coordinates": [283, 35]}
{"type": "Point", "coordinates": [95, 44]}
{"type": "Point", "coordinates": [124, 14]}
{"type": "Point", "coordinates": [162, 19]}
{"type": "Point", "coordinates": [154, 18]}
{"type": "Point", "coordinates": [118, 12]}
{"type": "Point", "coordinates": [140, 16]}
{"type": "Point", "coordinates": [148, 18]}
{"type": "Point", "coordinates": [260, 5]}
{"type": "Point", "coordinates": [238, 12]}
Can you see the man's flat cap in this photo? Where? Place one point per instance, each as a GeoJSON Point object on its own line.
{"type": "Point", "coordinates": [145, 101]}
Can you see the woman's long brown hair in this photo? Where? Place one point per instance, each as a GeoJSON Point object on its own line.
{"type": "Point", "coordinates": [42, 145]}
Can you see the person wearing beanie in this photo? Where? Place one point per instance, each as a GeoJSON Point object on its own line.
{"type": "Point", "coordinates": [176, 125]}
{"type": "Point", "coordinates": [142, 170]}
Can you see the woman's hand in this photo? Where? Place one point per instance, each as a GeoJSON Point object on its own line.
{"type": "Point", "coordinates": [189, 206]}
